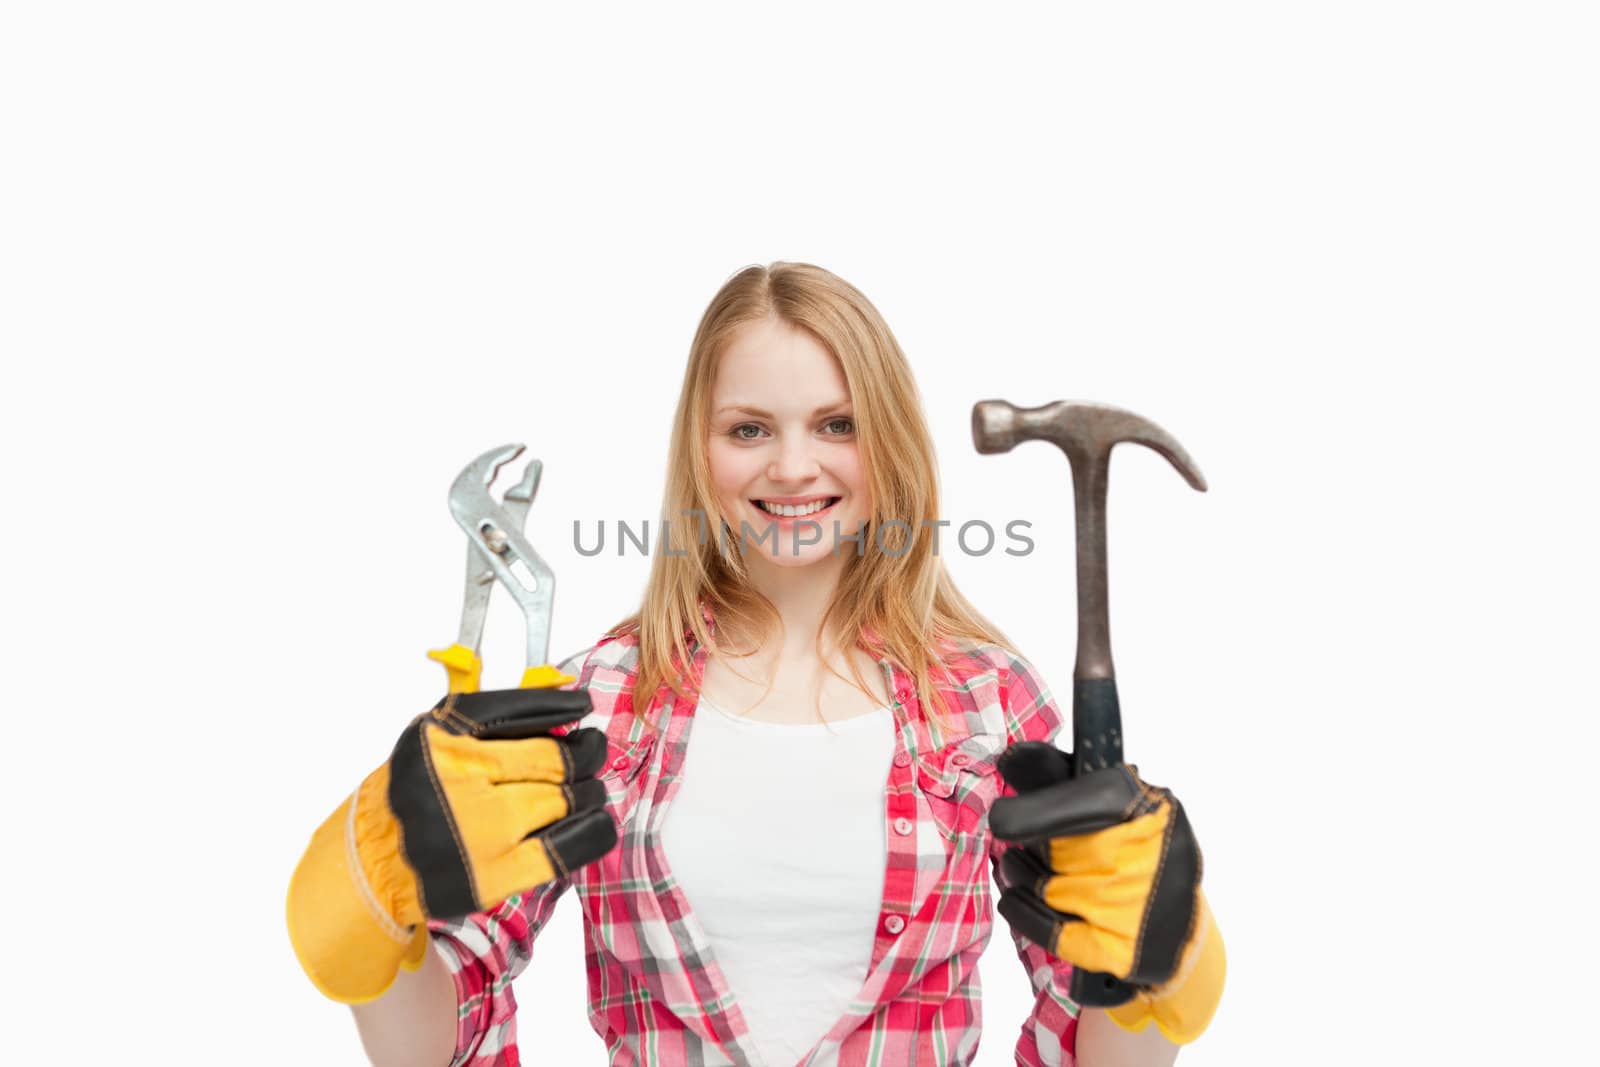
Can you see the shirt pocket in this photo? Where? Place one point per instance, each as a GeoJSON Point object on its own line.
{"type": "Point", "coordinates": [960, 782]}
{"type": "Point", "coordinates": [623, 778]}
{"type": "Point", "coordinates": [624, 762]}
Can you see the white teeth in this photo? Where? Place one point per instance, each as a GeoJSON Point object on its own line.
{"type": "Point", "coordinates": [790, 511]}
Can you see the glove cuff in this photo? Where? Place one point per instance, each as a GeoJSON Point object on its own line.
{"type": "Point", "coordinates": [343, 926]}
{"type": "Point", "coordinates": [1182, 1007]}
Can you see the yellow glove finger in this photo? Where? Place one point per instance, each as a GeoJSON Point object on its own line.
{"type": "Point", "coordinates": [1091, 920]}
{"type": "Point", "coordinates": [1094, 948]}
{"type": "Point", "coordinates": [532, 759]}
{"type": "Point", "coordinates": [550, 854]}
{"type": "Point", "coordinates": [495, 819]}
{"type": "Point", "coordinates": [1133, 847]}
{"type": "Point", "coordinates": [1110, 876]}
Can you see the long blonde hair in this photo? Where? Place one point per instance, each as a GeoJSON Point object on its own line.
{"type": "Point", "coordinates": [897, 602]}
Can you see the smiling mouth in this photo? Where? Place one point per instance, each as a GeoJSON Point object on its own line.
{"type": "Point", "coordinates": [783, 512]}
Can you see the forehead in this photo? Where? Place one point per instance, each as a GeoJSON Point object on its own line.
{"type": "Point", "coordinates": [775, 363]}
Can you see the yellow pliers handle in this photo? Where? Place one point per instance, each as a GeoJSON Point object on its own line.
{"type": "Point", "coordinates": [465, 671]}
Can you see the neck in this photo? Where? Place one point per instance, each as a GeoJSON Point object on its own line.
{"type": "Point", "coordinates": [801, 595]}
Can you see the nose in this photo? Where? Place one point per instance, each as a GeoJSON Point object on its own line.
{"type": "Point", "coordinates": [795, 461]}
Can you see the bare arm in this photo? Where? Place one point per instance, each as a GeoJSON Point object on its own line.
{"type": "Point", "coordinates": [414, 1023]}
{"type": "Point", "coordinates": [1102, 1043]}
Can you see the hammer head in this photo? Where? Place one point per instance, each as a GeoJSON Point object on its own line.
{"type": "Point", "coordinates": [1084, 431]}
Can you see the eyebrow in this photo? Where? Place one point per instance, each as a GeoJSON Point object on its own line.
{"type": "Point", "coordinates": [748, 410]}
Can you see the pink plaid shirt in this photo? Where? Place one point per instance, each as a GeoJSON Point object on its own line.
{"type": "Point", "coordinates": [656, 994]}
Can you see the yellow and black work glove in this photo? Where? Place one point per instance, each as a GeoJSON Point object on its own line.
{"type": "Point", "coordinates": [1106, 876]}
{"type": "Point", "coordinates": [477, 801]}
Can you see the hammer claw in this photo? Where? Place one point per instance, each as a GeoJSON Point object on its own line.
{"type": "Point", "coordinates": [1086, 433]}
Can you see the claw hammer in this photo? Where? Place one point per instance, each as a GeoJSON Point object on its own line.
{"type": "Point", "coordinates": [1086, 433]}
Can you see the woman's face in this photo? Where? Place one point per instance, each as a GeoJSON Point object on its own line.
{"type": "Point", "coordinates": [783, 438]}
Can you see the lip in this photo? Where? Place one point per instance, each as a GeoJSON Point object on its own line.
{"type": "Point", "coordinates": [791, 519]}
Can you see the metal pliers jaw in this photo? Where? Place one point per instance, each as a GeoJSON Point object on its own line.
{"type": "Point", "coordinates": [498, 551]}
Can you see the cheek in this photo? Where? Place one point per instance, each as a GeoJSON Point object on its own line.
{"type": "Point", "coordinates": [849, 470]}
{"type": "Point", "coordinates": [732, 468]}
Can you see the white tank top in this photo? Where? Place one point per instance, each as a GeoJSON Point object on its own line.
{"type": "Point", "coordinates": [777, 835]}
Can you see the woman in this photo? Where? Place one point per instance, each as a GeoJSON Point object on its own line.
{"type": "Point", "coordinates": [803, 730]}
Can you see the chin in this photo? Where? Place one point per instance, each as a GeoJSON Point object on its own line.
{"type": "Point", "coordinates": [786, 555]}
{"type": "Point", "coordinates": [808, 555]}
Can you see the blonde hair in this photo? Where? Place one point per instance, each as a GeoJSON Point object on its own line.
{"type": "Point", "coordinates": [892, 602]}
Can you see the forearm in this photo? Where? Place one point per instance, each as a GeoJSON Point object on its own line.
{"type": "Point", "coordinates": [1102, 1043]}
{"type": "Point", "coordinates": [414, 1023]}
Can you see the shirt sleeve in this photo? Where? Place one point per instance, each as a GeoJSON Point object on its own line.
{"type": "Point", "coordinates": [486, 950]}
{"type": "Point", "coordinates": [1049, 1036]}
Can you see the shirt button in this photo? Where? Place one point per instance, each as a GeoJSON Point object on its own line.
{"type": "Point", "coordinates": [894, 924]}
{"type": "Point", "coordinates": [902, 826]}
{"type": "Point", "coordinates": [902, 759]}
{"type": "Point", "coordinates": [620, 763]}
{"type": "Point", "coordinates": [961, 759]}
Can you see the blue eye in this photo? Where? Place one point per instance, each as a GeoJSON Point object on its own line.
{"type": "Point", "coordinates": [849, 424]}
{"type": "Point", "coordinates": [740, 436]}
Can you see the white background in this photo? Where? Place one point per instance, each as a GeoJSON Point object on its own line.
{"type": "Point", "coordinates": [273, 274]}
